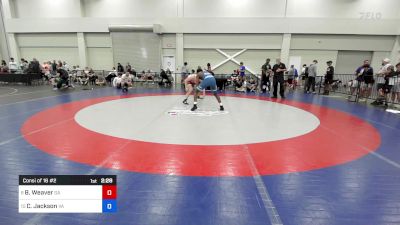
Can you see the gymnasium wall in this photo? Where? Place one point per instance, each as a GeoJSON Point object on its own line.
{"type": "Point", "coordinates": [129, 8]}
{"type": "Point", "coordinates": [200, 49]}
{"type": "Point", "coordinates": [46, 47]}
{"type": "Point", "coordinates": [320, 30]}
{"type": "Point", "coordinates": [204, 8]}
{"type": "Point", "coordinates": [99, 51]}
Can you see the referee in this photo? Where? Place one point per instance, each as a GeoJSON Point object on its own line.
{"type": "Point", "coordinates": [278, 70]}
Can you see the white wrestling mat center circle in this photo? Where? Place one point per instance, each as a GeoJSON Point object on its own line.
{"type": "Point", "coordinates": [164, 119]}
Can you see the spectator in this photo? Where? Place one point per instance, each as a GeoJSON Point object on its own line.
{"type": "Point", "coordinates": [86, 71]}
{"type": "Point", "coordinates": [117, 81]}
{"type": "Point", "coordinates": [128, 68]}
{"type": "Point", "coordinates": [149, 75]}
{"type": "Point", "coordinates": [66, 66]}
{"type": "Point", "coordinates": [242, 72]}
{"type": "Point", "coordinates": [111, 75]}
{"type": "Point", "coordinates": [54, 68]}
{"type": "Point", "coordinates": [330, 71]}
{"type": "Point", "coordinates": [60, 65]}
{"type": "Point", "coordinates": [34, 67]}
{"type": "Point", "coordinates": [120, 68]}
{"type": "Point", "coordinates": [4, 67]}
{"type": "Point", "coordinates": [13, 66]}
{"type": "Point", "coordinates": [78, 71]}
{"type": "Point", "coordinates": [396, 86]}
{"type": "Point", "coordinates": [364, 80]}
{"type": "Point", "coordinates": [304, 76]}
{"type": "Point", "coordinates": [387, 87]}
{"type": "Point", "coordinates": [126, 81]}
{"type": "Point", "coordinates": [92, 77]}
{"type": "Point", "coordinates": [46, 70]}
{"type": "Point", "coordinates": [265, 75]}
{"type": "Point", "coordinates": [184, 72]}
{"type": "Point", "coordinates": [100, 81]}
{"type": "Point", "coordinates": [312, 73]}
{"type": "Point", "coordinates": [73, 74]}
{"type": "Point", "coordinates": [23, 65]}
{"type": "Point", "coordinates": [164, 76]}
{"type": "Point", "coordinates": [292, 74]}
{"type": "Point", "coordinates": [83, 79]}
{"type": "Point", "coordinates": [382, 73]}
{"type": "Point", "coordinates": [235, 73]}
{"type": "Point", "coordinates": [278, 69]}
{"type": "Point", "coordinates": [142, 75]}
{"type": "Point", "coordinates": [240, 85]}
{"type": "Point", "coordinates": [251, 85]}
{"type": "Point", "coordinates": [64, 78]}
{"type": "Point", "coordinates": [169, 73]}
{"type": "Point", "coordinates": [133, 72]}
{"type": "Point", "coordinates": [209, 69]}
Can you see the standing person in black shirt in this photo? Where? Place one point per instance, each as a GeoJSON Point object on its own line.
{"type": "Point", "coordinates": [278, 70]}
{"type": "Point", "coordinates": [120, 68]}
{"type": "Point", "coordinates": [265, 73]}
{"type": "Point", "coordinates": [64, 78]}
{"type": "Point", "coordinates": [53, 68]}
{"type": "Point", "coordinates": [365, 79]}
{"type": "Point", "coordinates": [328, 77]}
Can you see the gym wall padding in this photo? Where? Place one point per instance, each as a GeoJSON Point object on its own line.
{"type": "Point", "coordinates": [141, 49]}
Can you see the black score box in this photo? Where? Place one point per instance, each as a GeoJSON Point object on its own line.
{"type": "Point", "coordinates": [67, 193]}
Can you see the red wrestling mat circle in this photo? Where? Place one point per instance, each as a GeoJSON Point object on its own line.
{"type": "Point", "coordinates": [339, 138]}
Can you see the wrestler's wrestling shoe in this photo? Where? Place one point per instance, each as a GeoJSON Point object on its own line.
{"type": "Point", "coordinates": [193, 108]}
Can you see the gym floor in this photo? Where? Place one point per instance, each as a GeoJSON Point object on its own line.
{"type": "Point", "coordinates": [305, 160]}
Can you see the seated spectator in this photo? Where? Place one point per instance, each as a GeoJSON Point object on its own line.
{"type": "Point", "coordinates": [92, 77]}
{"type": "Point", "coordinates": [46, 70]}
{"type": "Point", "coordinates": [240, 85]}
{"type": "Point", "coordinates": [74, 74]}
{"type": "Point", "coordinates": [4, 67]}
{"type": "Point", "coordinates": [251, 85]}
{"type": "Point", "coordinates": [164, 76]}
{"type": "Point", "coordinates": [86, 71]}
{"type": "Point", "coordinates": [169, 73]}
{"type": "Point", "coordinates": [65, 66]}
{"type": "Point", "coordinates": [111, 75]}
{"type": "Point", "coordinates": [59, 64]}
{"type": "Point", "coordinates": [149, 75]}
{"type": "Point", "coordinates": [34, 67]}
{"type": "Point", "coordinates": [78, 71]}
{"type": "Point", "coordinates": [126, 81]}
{"type": "Point", "coordinates": [142, 75]}
{"type": "Point", "coordinates": [117, 81]}
{"type": "Point", "coordinates": [170, 77]}
{"type": "Point", "coordinates": [100, 81]}
{"type": "Point", "coordinates": [13, 66]}
{"type": "Point", "coordinates": [23, 65]}
{"type": "Point", "coordinates": [84, 79]}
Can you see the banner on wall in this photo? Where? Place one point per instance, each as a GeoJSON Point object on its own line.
{"type": "Point", "coordinates": [169, 63]}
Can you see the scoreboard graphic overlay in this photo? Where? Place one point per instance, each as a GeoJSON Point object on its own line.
{"type": "Point", "coordinates": [67, 193]}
